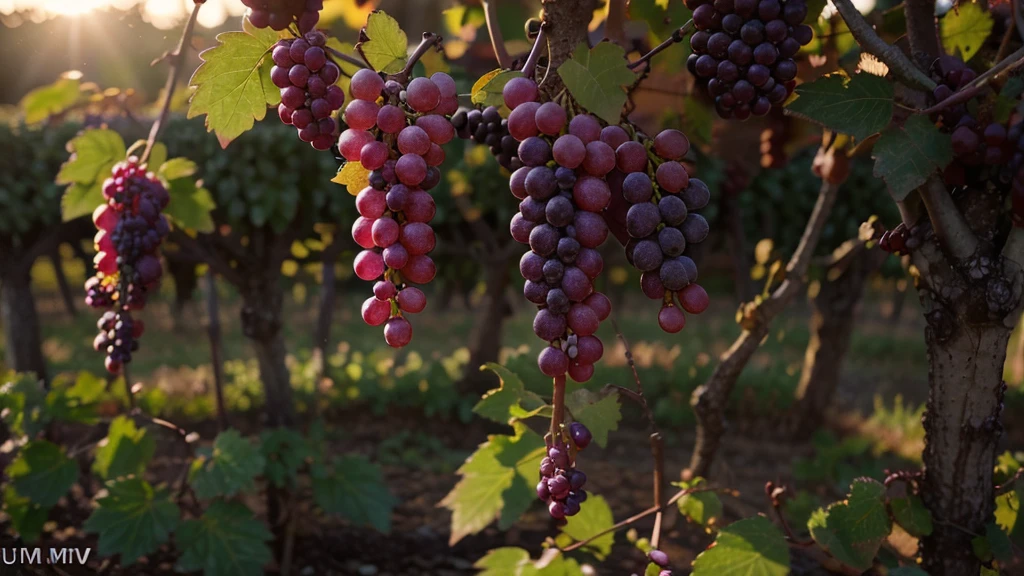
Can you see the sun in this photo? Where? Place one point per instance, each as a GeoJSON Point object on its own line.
{"type": "Point", "coordinates": [70, 7]}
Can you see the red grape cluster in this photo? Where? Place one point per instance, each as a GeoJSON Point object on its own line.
{"type": "Point", "coordinates": [309, 95]}
{"type": "Point", "coordinates": [560, 219]}
{"type": "Point", "coordinates": [279, 14]}
{"type": "Point", "coordinates": [489, 128]}
{"type": "Point", "coordinates": [662, 222]}
{"type": "Point", "coordinates": [130, 230]}
{"type": "Point", "coordinates": [743, 52]}
{"type": "Point", "coordinates": [399, 140]}
{"type": "Point", "coordinates": [660, 558]}
{"type": "Point", "coordinates": [561, 484]}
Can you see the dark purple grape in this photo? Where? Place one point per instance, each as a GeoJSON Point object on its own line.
{"type": "Point", "coordinates": [671, 241]}
{"type": "Point", "coordinates": [642, 219]}
{"type": "Point", "coordinates": [646, 255]}
{"type": "Point", "coordinates": [695, 228]}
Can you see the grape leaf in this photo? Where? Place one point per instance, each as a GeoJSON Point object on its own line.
{"type": "Point", "coordinates": [42, 473]}
{"type": "Point", "coordinates": [125, 451]}
{"type": "Point", "coordinates": [597, 79]}
{"type": "Point", "coordinates": [232, 85]}
{"type": "Point", "coordinates": [225, 541]}
{"type": "Point", "coordinates": [191, 205]}
{"type": "Point", "coordinates": [663, 17]}
{"type": "Point", "coordinates": [699, 507]}
{"type": "Point", "coordinates": [858, 105]}
{"type": "Point", "coordinates": [353, 487]}
{"type": "Point", "coordinates": [176, 168]}
{"type": "Point", "coordinates": [964, 29]}
{"type": "Point", "coordinates": [1008, 99]}
{"type": "Point", "coordinates": [595, 516]}
{"type": "Point", "coordinates": [158, 157]}
{"type": "Point", "coordinates": [505, 402]}
{"type": "Point", "coordinates": [600, 415]}
{"type": "Point", "coordinates": [905, 156]}
{"type": "Point", "coordinates": [93, 154]}
{"type": "Point", "coordinates": [285, 451]}
{"type": "Point", "coordinates": [23, 404]}
{"type": "Point", "coordinates": [45, 101]}
{"type": "Point", "coordinates": [853, 530]}
{"type": "Point", "coordinates": [911, 515]}
{"type": "Point", "coordinates": [486, 91]}
{"type": "Point", "coordinates": [26, 517]}
{"type": "Point", "coordinates": [749, 546]}
{"type": "Point", "coordinates": [386, 47]}
{"type": "Point", "coordinates": [133, 520]}
{"type": "Point", "coordinates": [993, 545]}
{"type": "Point", "coordinates": [353, 177]}
{"type": "Point", "coordinates": [498, 479]}
{"type": "Point", "coordinates": [1008, 515]}
{"type": "Point", "coordinates": [512, 561]}
{"type": "Point", "coordinates": [227, 468]}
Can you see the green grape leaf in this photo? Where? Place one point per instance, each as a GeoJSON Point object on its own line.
{"type": "Point", "coordinates": [191, 206]}
{"type": "Point", "coordinates": [386, 47]}
{"type": "Point", "coordinates": [699, 507]}
{"type": "Point", "coordinates": [125, 451]}
{"type": "Point", "coordinates": [964, 29]}
{"type": "Point", "coordinates": [911, 515]}
{"type": "Point", "coordinates": [52, 99]}
{"type": "Point", "coordinates": [232, 85]}
{"type": "Point", "coordinates": [133, 520]}
{"type": "Point", "coordinates": [906, 156]}
{"type": "Point", "coordinates": [225, 541]}
{"type": "Point", "coordinates": [157, 158]}
{"type": "Point", "coordinates": [858, 105]}
{"type": "Point", "coordinates": [176, 168]}
{"type": "Point", "coordinates": [595, 516]}
{"type": "Point", "coordinates": [601, 415]}
{"type": "Point", "coordinates": [26, 517]}
{"type": "Point", "coordinates": [354, 488]}
{"type": "Point", "coordinates": [1008, 99]}
{"type": "Point", "coordinates": [853, 530]}
{"type": "Point", "coordinates": [23, 404]}
{"type": "Point", "coordinates": [501, 404]}
{"type": "Point", "coordinates": [663, 17]}
{"type": "Point", "coordinates": [285, 451]}
{"type": "Point", "coordinates": [1008, 515]}
{"type": "Point", "coordinates": [597, 79]}
{"type": "Point", "coordinates": [229, 467]}
{"type": "Point", "coordinates": [993, 545]}
{"type": "Point", "coordinates": [93, 154]}
{"type": "Point", "coordinates": [42, 473]}
{"type": "Point", "coordinates": [498, 481]}
{"type": "Point", "coordinates": [486, 91]}
{"type": "Point", "coordinates": [749, 546]}
{"type": "Point", "coordinates": [512, 561]}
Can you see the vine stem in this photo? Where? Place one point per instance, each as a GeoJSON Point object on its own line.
{"type": "Point", "coordinates": [972, 89]}
{"type": "Point", "coordinates": [177, 61]}
{"type": "Point", "coordinates": [677, 36]}
{"type": "Point", "coordinates": [1018, 18]}
{"type": "Point", "coordinates": [893, 57]}
{"type": "Point", "coordinates": [494, 31]}
{"type": "Point", "coordinates": [530, 67]}
{"type": "Point", "coordinates": [775, 495]}
{"type": "Point", "coordinates": [348, 58]}
{"type": "Point", "coordinates": [557, 408]}
{"type": "Point", "coordinates": [430, 40]}
{"type": "Point", "coordinates": [658, 452]}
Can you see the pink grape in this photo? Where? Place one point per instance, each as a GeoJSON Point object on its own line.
{"type": "Point", "coordinates": [366, 85]}
{"type": "Point", "coordinates": [397, 332]}
{"type": "Point", "coordinates": [369, 265]}
{"type": "Point", "coordinates": [412, 299]}
{"type": "Point", "coordinates": [375, 312]}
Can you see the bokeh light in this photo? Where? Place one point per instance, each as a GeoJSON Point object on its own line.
{"type": "Point", "coordinates": [161, 13]}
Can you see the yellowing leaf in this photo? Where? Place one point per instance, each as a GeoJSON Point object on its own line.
{"type": "Point", "coordinates": [352, 12]}
{"type": "Point", "coordinates": [964, 29]}
{"type": "Point", "coordinates": [433, 61]}
{"type": "Point", "coordinates": [487, 90]}
{"type": "Point", "coordinates": [52, 99]}
{"type": "Point", "coordinates": [232, 85]}
{"type": "Point", "coordinates": [387, 46]}
{"type": "Point", "coordinates": [352, 176]}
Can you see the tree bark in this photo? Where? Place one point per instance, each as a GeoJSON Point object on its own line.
{"type": "Point", "coordinates": [62, 281]}
{"type": "Point", "coordinates": [831, 324]}
{"type": "Point", "coordinates": [485, 338]}
{"type": "Point", "coordinates": [328, 295]}
{"type": "Point", "coordinates": [567, 24]}
{"type": "Point", "coordinates": [262, 305]}
{"type": "Point", "coordinates": [216, 347]}
{"type": "Point", "coordinates": [183, 272]}
{"type": "Point", "coordinates": [21, 322]}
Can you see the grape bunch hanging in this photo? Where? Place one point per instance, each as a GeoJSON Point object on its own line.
{"type": "Point", "coordinates": [279, 14]}
{"type": "Point", "coordinates": [743, 52]}
{"type": "Point", "coordinates": [309, 95]}
{"type": "Point", "coordinates": [130, 228]}
{"type": "Point", "coordinates": [487, 127]}
{"type": "Point", "coordinates": [561, 484]}
{"type": "Point", "coordinates": [399, 141]}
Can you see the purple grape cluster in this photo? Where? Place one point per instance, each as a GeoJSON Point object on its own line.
{"type": "Point", "coordinates": [662, 222]}
{"type": "Point", "coordinates": [489, 128]}
{"type": "Point", "coordinates": [743, 52]}
{"type": "Point", "coordinates": [130, 228]}
{"type": "Point", "coordinates": [279, 14]}
{"type": "Point", "coordinates": [309, 95]}
{"type": "Point", "coordinates": [660, 558]}
{"type": "Point", "coordinates": [563, 192]}
{"type": "Point", "coordinates": [561, 484]}
{"type": "Point", "coordinates": [399, 142]}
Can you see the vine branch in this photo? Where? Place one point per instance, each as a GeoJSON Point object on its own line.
{"type": "Point", "coordinates": [949, 224]}
{"type": "Point", "coordinates": [177, 61]}
{"type": "Point", "coordinates": [972, 89]}
{"type": "Point", "coordinates": [898, 63]}
{"type": "Point", "coordinates": [677, 36]}
{"type": "Point", "coordinates": [346, 57]}
{"type": "Point", "coordinates": [494, 31]}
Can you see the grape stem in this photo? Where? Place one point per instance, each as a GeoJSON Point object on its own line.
{"type": "Point", "coordinates": [557, 409]}
{"type": "Point", "coordinates": [898, 62]}
{"type": "Point", "coordinates": [775, 496]}
{"type": "Point", "coordinates": [972, 89]}
{"type": "Point", "coordinates": [430, 40]}
{"type": "Point", "coordinates": [657, 450]}
{"type": "Point", "coordinates": [177, 61]}
{"type": "Point", "coordinates": [530, 67]}
{"type": "Point", "coordinates": [677, 36]}
{"type": "Point", "coordinates": [1004, 487]}
{"type": "Point", "coordinates": [494, 31]}
{"type": "Point", "coordinates": [347, 58]}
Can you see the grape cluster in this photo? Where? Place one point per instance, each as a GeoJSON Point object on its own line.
{"type": "Point", "coordinates": [743, 52]}
{"type": "Point", "coordinates": [560, 219]}
{"type": "Point", "coordinates": [279, 14]}
{"type": "Point", "coordinates": [399, 141]}
{"type": "Point", "coordinates": [660, 558]}
{"type": "Point", "coordinates": [489, 128]}
{"type": "Point", "coordinates": [561, 484]}
{"type": "Point", "coordinates": [662, 222]}
{"type": "Point", "coordinates": [309, 95]}
{"type": "Point", "coordinates": [130, 228]}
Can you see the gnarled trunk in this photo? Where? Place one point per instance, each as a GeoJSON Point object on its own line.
{"type": "Point", "coordinates": [23, 341]}
{"type": "Point", "coordinates": [262, 306]}
{"type": "Point", "coordinates": [485, 338]}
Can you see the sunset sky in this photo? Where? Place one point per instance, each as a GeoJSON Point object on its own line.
{"type": "Point", "coordinates": [162, 13]}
